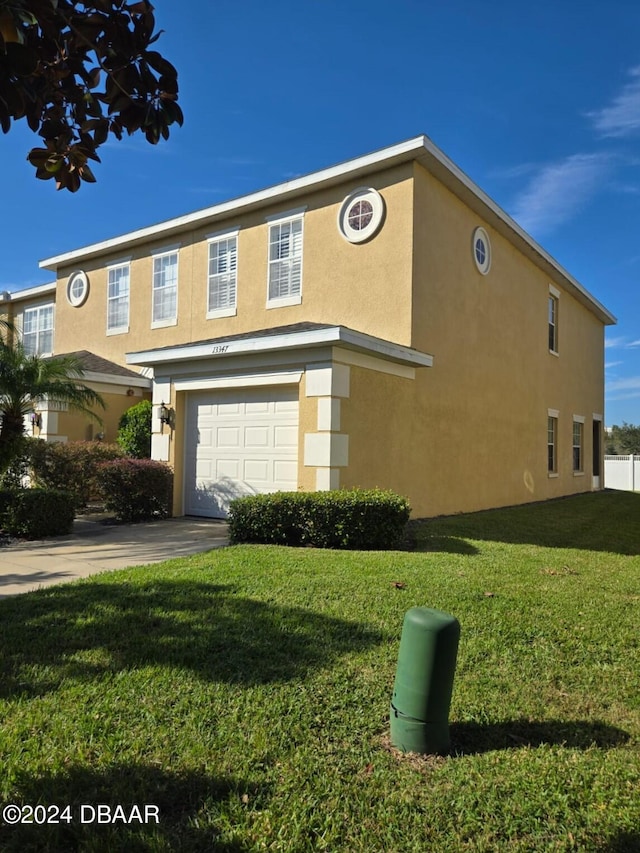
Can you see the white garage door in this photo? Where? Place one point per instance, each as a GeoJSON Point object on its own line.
{"type": "Point", "coordinates": [239, 442]}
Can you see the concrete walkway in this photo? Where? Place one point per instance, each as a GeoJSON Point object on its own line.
{"type": "Point", "coordinates": [95, 545]}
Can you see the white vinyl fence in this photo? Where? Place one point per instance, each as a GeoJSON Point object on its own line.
{"type": "Point", "coordinates": [622, 472]}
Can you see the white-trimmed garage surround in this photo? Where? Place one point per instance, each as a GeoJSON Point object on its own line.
{"type": "Point", "coordinates": [239, 407]}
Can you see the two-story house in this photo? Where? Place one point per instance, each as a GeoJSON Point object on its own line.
{"type": "Point", "coordinates": [378, 323]}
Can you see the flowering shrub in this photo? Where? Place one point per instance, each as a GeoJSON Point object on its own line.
{"type": "Point", "coordinates": [71, 466]}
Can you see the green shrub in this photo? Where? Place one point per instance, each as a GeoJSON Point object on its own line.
{"type": "Point", "coordinates": [71, 466]}
{"type": "Point", "coordinates": [136, 489]}
{"type": "Point", "coordinates": [36, 513]}
{"type": "Point", "coordinates": [134, 430]}
{"type": "Point", "coordinates": [17, 473]}
{"type": "Point", "coordinates": [351, 519]}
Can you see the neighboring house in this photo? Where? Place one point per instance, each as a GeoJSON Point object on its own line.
{"type": "Point", "coordinates": [378, 323]}
{"type": "Point", "coordinates": [32, 315]}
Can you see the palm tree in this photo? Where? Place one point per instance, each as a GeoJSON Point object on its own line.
{"type": "Point", "coordinates": [25, 381]}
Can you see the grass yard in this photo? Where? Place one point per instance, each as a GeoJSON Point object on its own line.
{"type": "Point", "coordinates": [245, 693]}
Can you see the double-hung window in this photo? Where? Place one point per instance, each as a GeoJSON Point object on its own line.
{"type": "Point", "coordinates": [118, 298]}
{"type": "Point", "coordinates": [37, 330]}
{"type": "Point", "coordinates": [165, 289]}
{"type": "Point", "coordinates": [553, 303]}
{"type": "Point", "coordinates": [552, 443]}
{"type": "Point", "coordinates": [578, 444]}
{"type": "Point", "coordinates": [285, 260]}
{"type": "Point", "coordinates": [223, 271]}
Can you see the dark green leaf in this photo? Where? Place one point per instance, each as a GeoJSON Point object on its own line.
{"type": "Point", "coordinates": [159, 63]}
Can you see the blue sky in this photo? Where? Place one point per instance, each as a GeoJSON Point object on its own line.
{"type": "Point", "coordinates": [538, 103]}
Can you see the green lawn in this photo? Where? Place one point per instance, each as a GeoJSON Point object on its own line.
{"type": "Point", "coordinates": [245, 692]}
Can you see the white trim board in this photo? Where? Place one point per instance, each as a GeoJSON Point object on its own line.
{"type": "Point", "coordinates": [289, 377]}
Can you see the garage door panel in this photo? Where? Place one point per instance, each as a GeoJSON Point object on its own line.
{"type": "Point", "coordinates": [204, 469]}
{"type": "Point", "coordinates": [226, 468]}
{"type": "Point", "coordinates": [282, 406]}
{"type": "Point", "coordinates": [286, 473]}
{"type": "Point", "coordinates": [227, 410]}
{"type": "Point", "coordinates": [205, 437]}
{"type": "Point", "coordinates": [257, 471]}
{"type": "Point", "coordinates": [285, 437]}
{"type": "Point", "coordinates": [239, 442]}
{"type": "Point", "coordinates": [226, 437]}
{"type": "Point", "coordinates": [258, 407]}
{"type": "Point", "coordinates": [257, 436]}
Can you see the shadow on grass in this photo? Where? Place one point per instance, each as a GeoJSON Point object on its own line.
{"type": "Point", "coordinates": [444, 544]}
{"type": "Point", "coordinates": [600, 521]}
{"type": "Point", "coordinates": [623, 842]}
{"type": "Point", "coordinates": [82, 631]}
{"type": "Point", "coordinates": [189, 808]}
{"type": "Point", "coordinates": [476, 738]}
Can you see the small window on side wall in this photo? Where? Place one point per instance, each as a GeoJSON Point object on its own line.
{"type": "Point", "coordinates": [552, 444]}
{"type": "Point", "coordinates": [481, 248]}
{"type": "Point", "coordinates": [578, 445]}
{"type": "Point", "coordinates": [553, 305]}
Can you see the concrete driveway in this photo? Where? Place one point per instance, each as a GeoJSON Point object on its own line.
{"type": "Point", "coordinates": [95, 545]}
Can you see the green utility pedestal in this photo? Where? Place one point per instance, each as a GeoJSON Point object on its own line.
{"type": "Point", "coordinates": [424, 681]}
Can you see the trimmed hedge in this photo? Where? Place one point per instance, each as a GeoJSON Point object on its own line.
{"type": "Point", "coordinates": [136, 489]}
{"type": "Point", "coordinates": [36, 513]}
{"type": "Point", "coordinates": [71, 466]}
{"type": "Point", "coordinates": [352, 519]}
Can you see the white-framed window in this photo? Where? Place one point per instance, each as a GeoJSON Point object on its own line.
{"type": "Point", "coordinates": [164, 310]}
{"type": "Point", "coordinates": [552, 443]}
{"type": "Point", "coordinates": [223, 274]}
{"type": "Point", "coordinates": [285, 260]}
{"type": "Point", "coordinates": [37, 330]}
{"type": "Point", "coordinates": [578, 444]}
{"type": "Point", "coordinates": [481, 247]}
{"type": "Point", "coordinates": [553, 304]}
{"type": "Point", "coordinates": [118, 298]}
{"type": "Point", "coordinates": [361, 214]}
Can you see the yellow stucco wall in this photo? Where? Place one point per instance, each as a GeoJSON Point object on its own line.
{"type": "Point", "coordinates": [79, 427]}
{"type": "Point", "coordinates": [342, 283]}
{"type": "Point", "coordinates": [482, 409]}
{"type": "Point", "coordinates": [468, 433]}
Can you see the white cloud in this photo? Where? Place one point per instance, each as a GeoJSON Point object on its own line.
{"type": "Point", "coordinates": [633, 395]}
{"type": "Point", "coordinates": [611, 343]}
{"type": "Point", "coordinates": [558, 192]}
{"type": "Point", "coordinates": [632, 383]}
{"type": "Point", "coordinates": [634, 344]}
{"type": "Point", "coordinates": [622, 116]}
{"type": "Point", "coordinates": [609, 364]}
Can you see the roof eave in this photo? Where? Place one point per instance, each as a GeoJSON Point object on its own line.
{"type": "Point", "coordinates": [419, 148]}
{"type": "Point", "coordinates": [332, 335]}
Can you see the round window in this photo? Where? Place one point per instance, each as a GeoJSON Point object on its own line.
{"type": "Point", "coordinates": [78, 288]}
{"type": "Point", "coordinates": [481, 250]}
{"type": "Point", "coordinates": [361, 215]}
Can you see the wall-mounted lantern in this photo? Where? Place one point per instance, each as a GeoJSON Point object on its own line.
{"type": "Point", "coordinates": [165, 414]}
